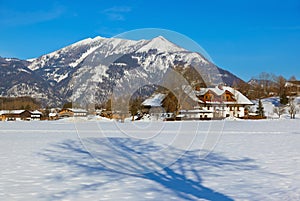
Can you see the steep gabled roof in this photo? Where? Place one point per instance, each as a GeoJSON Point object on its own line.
{"type": "Point", "coordinates": [219, 91]}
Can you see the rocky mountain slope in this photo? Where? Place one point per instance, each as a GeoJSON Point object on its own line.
{"type": "Point", "coordinates": [99, 66]}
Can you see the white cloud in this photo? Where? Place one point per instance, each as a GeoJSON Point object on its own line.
{"type": "Point", "coordinates": [13, 18]}
{"type": "Point", "coordinates": [117, 13]}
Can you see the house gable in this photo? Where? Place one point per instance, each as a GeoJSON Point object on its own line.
{"type": "Point", "coordinates": [211, 96]}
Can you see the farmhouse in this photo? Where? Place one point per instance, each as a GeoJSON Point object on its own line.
{"type": "Point", "coordinates": [211, 103]}
{"type": "Point", "coordinates": [293, 87]}
{"type": "Point", "coordinates": [222, 102]}
{"type": "Point", "coordinates": [72, 112]}
{"type": "Point", "coordinates": [36, 115]}
{"type": "Point", "coordinates": [15, 115]}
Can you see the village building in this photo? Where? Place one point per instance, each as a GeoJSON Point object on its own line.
{"type": "Point", "coordinates": [36, 115]}
{"type": "Point", "coordinates": [153, 107]}
{"type": "Point", "coordinates": [72, 112]}
{"type": "Point", "coordinates": [211, 103]}
{"type": "Point", "coordinates": [16, 115]}
{"type": "Point", "coordinates": [293, 87]}
{"type": "Point", "coordinates": [221, 102]}
{"type": "Point", "coordinates": [53, 116]}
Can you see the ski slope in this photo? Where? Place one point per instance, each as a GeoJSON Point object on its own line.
{"type": "Point", "coordinates": [102, 160]}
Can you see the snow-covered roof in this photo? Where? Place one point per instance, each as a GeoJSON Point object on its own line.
{"type": "Point", "coordinates": [155, 100]}
{"type": "Point", "coordinates": [77, 110]}
{"type": "Point", "coordinates": [52, 114]}
{"type": "Point", "coordinates": [11, 111]}
{"type": "Point", "coordinates": [36, 112]}
{"type": "Point", "coordinates": [240, 98]}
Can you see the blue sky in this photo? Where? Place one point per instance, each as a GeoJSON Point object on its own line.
{"type": "Point", "coordinates": [245, 37]}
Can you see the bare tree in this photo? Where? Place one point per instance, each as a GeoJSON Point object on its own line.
{"type": "Point", "coordinates": [292, 108]}
{"type": "Point", "coordinates": [265, 80]}
{"type": "Point", "coordinates": [243, 87]}
{"type": "Point", "coordinates": [281, 82]}
{"type": "Point", "coordinates": [279, 110]}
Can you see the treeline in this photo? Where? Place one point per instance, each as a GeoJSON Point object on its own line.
{"type": "Point", "coordinates": [19, 103]}
{"type": "Point", "coordinates": [267, 85]}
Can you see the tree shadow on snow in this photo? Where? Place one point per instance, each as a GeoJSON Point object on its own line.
{"type": "Point", "coordinates": [119, 158]}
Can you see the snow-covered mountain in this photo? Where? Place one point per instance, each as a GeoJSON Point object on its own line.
{"type": "Point", "coordinates": [18, 80]}
{"type": "Point", "coordinates": [66, 74]}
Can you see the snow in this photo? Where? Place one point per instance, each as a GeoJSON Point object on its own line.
{"type": "Point", "coordinates": [37, 112]}
{"type": "Point", "coordinates": [83, 56]}
{"type": "Point", "coordinates": [11, 111]}
{"type": "Point", "coordinates": [155, 100]}
{"type": "Point", "coordinates": [31, 60]}
{"type": "Point", "coordinates": [252, 160]}
{"type": "Point", "coordinates": [77, 110]}
{"type": "Point", "coordinates": [23, 70]}
{"type": "Point", "coordinates": [269, 105]}
{"type": "Point", "coordinates": [59, 78]}
{"type": "Point", "coordinates": [52, 114]}
{"type": "Point", "coordinates": [162, 45]}
{"type": "Point", "coordinates": [240, 98]}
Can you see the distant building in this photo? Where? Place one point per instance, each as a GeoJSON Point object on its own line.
{"type": "Point", "coordinates": [72, 112]}
{"type": "Point", "coordinates": [15, 115]}
{"type": "Point", "coordinates": [53, 116]}
{"type": "Point", "coordinates": [293, 87]}
{"type": "Point", "coordinates": [153, 107]}
{"type": "Point", "coordinates": [36, 115]}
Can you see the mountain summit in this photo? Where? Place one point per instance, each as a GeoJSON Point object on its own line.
{"type": "Point", "coordinates": [63, 75]}
{"type": "Point", "coordinates": [161, 45]}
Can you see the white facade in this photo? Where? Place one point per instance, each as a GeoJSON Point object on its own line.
{"type": "Point", "coordinates": [219, 102]}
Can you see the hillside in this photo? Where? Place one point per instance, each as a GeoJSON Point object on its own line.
{"type": "Point", "coordinates": [98, 66]}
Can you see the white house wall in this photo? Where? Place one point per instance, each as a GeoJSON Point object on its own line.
{"type": "Point", "coordinates": [236, 112]}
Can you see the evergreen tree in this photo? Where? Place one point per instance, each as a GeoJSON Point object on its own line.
{"type": "Point", "coordinates": [260, 109]}
{"type": "Point", "coordinates": [284, 99]}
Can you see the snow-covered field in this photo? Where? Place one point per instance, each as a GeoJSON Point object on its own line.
{"type": "Point", "coordinates": [98, 160]}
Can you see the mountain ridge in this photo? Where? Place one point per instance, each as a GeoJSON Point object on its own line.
{"type": "Point", "coordinates": [109, 62]}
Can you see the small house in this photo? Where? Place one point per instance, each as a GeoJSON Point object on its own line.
{"type": "Point", "coordinates": [293, 87]}
{"type": "Point", "coordinates": [53, 116]}
{"type": "Point", "coordinates": [36, 115]}
{"type": "Point", "coordinates": [72, 112]}
{"type": "Point", "coordinates": [15, 115]}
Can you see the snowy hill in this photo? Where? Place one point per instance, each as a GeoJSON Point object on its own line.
{"type": "Point", "coordinates": [271, 103]}
{"type": "Point", "coordinates": [110, 62]}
